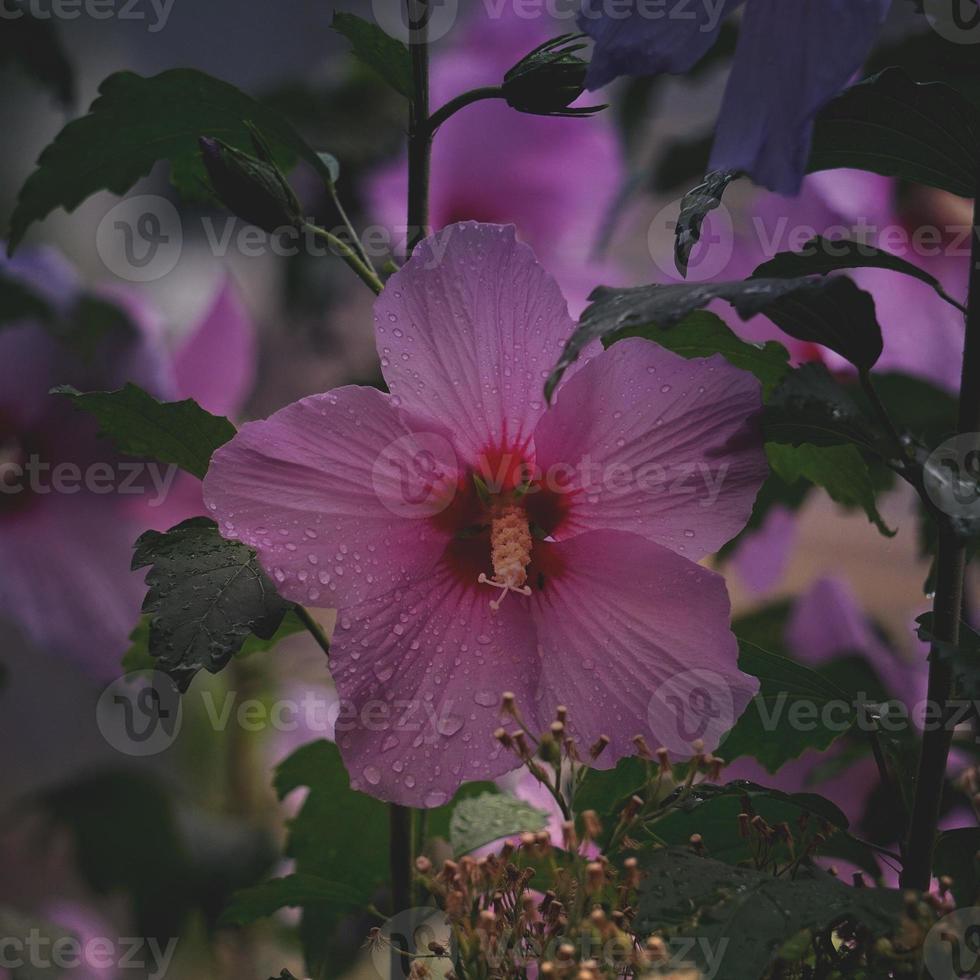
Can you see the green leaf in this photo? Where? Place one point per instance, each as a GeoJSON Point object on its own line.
{"type": "Point", "coordinates": [695, 207]}
{"type": "Point", "coordinates": [820, 256]}
{"type": "Point", "coordinates": [958, 856]}
{"type": "Point", "coordinates": [840, 470]}
{"type": "Point", "coordinates": [180, 433]}
{"type": "Point", "coordinates": [480, 820]}
{"type": "Point", "coordinates": [613, 311]}
{"type": "Point", "coordinates": [138, 121]}
{"type": "Point", "coordinates": [342, 835]}
{"type": "Point", "coordinates": [603, 790]}
{"type": "Point", "coordinates": [786, 717]}
{"type": "Point", "coordinates": [701, 334]}
{"type": "Point", "coordinates": [206, 595]}
{"type": "Point", "coordinates": [290, 626]}
{"type": "Point", "coordinates": [747, 915]}
{"type": "Point", "coordinates": [713, 812]}
{"type": "Point", "coordinates": [888, 124]}
{"type": "Point", "coordinates": [811, 406]}
{"type": "Point", "coordinates": [293, 891]}
{"type": "Point", "coordinates": [841, 317]}
{"type": "Point", "coordinates": [138, 656]}
{"type": "Point", "coordinates": [386, 55]}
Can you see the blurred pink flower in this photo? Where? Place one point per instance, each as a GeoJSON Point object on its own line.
{"type": "Point", "coordinates": [554, 178]}
{"type": "Point", "coordinates": [65, 553]}
{"type": "Point", "coordinates": [394, 509]}
{"type": "Point", "coordinates": [923, 334]}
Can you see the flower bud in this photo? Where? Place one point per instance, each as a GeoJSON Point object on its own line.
{"type": "Point", "coordinates": [549, 79]}
{"type": "Point", "coordinates": [250, 188]}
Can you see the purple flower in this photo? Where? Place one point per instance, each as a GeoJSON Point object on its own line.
{"type": "Point", "coordinates": [555, 182]}
{"type": "Point", "coordinates": [791, 59]}
{"type": "Point", "coordinates": [475, 541]}
{"type": "Point", "coordinates": [70, 509]}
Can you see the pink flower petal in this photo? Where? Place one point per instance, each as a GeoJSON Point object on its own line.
{"type": "Point", "coordinates": [643, 440]}
{"type": "Point", "coordinates": [316, 490]}
{"type": "Point", "coordinates": [468, 330]}
{"type": "Point", "coordinates": [762, 555]}
{"type": "Point", "coordinates": [216, 364]}
{"type": "Point", "coordinates": [635, 640]}
{"type": "Point", "coordinates": [420, 675]}
{"type": "Point", "coordinates": [65, 577]}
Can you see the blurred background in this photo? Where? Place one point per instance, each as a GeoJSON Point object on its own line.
{"type": "Point", "coordinates": [97, 841]}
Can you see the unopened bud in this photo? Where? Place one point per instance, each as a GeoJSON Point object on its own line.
{"type": "Point", "coordinates": [250, 188]}
{"type": "Point", "coordinates": [549, 79]}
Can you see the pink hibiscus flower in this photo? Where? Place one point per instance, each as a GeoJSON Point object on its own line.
{"type": "Point", "coordinates": [66, 543]}
{"type": "Point", "coordinates": [556, 182]}
{"type": "Point", "coordinates": [416, 513]}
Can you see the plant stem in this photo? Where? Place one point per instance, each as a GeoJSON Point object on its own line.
{"type": "Point", "coordinates": [400, 820]}
{"type": "Point", "coordinates": [947, 611]}
{"type": "Point", "coordinates": [364, 272]}
{"type": "Point", "coordinates": [419, 131]}
{"type": "Point", "coordinates": [461, 101]}
{"type": "Point", "coordinates": [313, 627]}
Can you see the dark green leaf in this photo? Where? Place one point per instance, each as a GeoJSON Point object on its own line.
{"type": "Point", "coordinates": [603, 790]}
{"type": "Point", "coordinates": [341, 835]}
{"type": "Point", "coordinates": [179, 433]}
{"type": "Point", "coordinates": [820, 256]}
{"type": "Point", "coordinates": [748, 915]}
{"type": "Point", "coordinates": [138, 656]}
{"type": "Point", "coordinates": [386, 55]}
{"type": "Point", "coordinates": [713, 812]}
{"type": "Point", "coordinates": [480, 820]}
{"type": "Point", "coordinates": [695, 207]}
{"type": "Point", "coordinates": [293, 891]}
{"type": "Point", "coordinates": [958, 856]}
{"type": "Point", "coordinates": [701, 334]}
{"type": "Point", "coordinates": [787, 716]}
{"type": "Point", "coordinates": [616, 310]}
{"type": "Point", "coordinates": [33, 45]}
{"type": "Point", "coordinates": [888, 124]}
{"type": "Point", "coordinates": [137, 121]}
{"type": "Point", "coordinates": [206, 595]}
{"type": "Point", "coordinates": [810, 406]}
{"type": "Point", "coordinates": [840, 470]}
{"type": "Point", "coordinates": [841, 317]}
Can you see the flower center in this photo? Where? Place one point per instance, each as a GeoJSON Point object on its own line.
{"type": "Point", "coordinates": [510, 552]}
